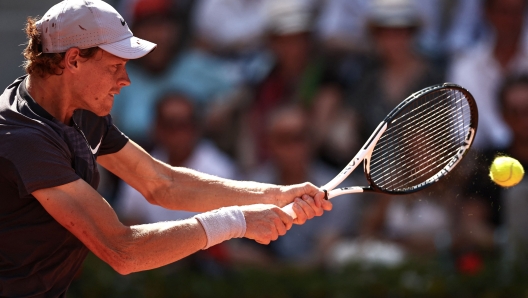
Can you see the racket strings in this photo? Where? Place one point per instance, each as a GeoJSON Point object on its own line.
{"type": "Point", "coordinates": [428, 164]}
{"type": "Point", "coordinates": [406, 133]}
{"type": "Point", "coordinates": [406, 124]}
{"type": "Point", "coordinates": [400, 173]}
{"type": "Point", "coordinates": [437, 161]}
{"type": "Point", "coordinates": [409, 133]}
{"type": "Point", "coordinates": [421, 140]}
{"type": "Point", "coordinates": [424, 165]}
{"type": "Point", "coordinates": [404, 174]}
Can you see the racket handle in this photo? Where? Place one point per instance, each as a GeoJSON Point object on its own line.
{"type": "Point", "coordinates": [289, 209]}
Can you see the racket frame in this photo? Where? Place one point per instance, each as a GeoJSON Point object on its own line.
{"type": "Point", "coordinates": [365, 152]}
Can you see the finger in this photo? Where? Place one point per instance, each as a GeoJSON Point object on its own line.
{"type": "Point", "coordinates": [311, 189]}
{"type": "Point", "coordinates": [279, 225]}
{"type": "Point", "coordinates": [274, 233]}
{"type": "Point", "coordinates": [320, 198]}
{"type": "Point", "coordinates": [286, 219]}
{"type": "Point", "coordinates": [264, 242]}
{"type": "Point", "coordinates": [301, 214]}
{"type": "Point", "coordinates": [308, 206]}
{"type": "Point", "coordinates": [327, 205]}
{"type": "Point", "coordinates": [318, 210]}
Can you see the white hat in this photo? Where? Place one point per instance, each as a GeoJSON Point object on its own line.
{"type": "Point", "coordinates": [89, 23]}
{"type": "Point", "coordinates": [288, 16]}
{"type": "Point", "coordinates": [394, 13]}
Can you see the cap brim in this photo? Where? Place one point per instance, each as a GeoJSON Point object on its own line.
{"type": "Point", "coordinates": [129, 48]}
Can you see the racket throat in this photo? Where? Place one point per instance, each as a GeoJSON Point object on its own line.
{"type": "Point", "coordinates": [348, 190]}
{"type": "Point", "coordinates": [364, 153]}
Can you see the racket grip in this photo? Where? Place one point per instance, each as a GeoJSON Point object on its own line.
{"type": "Point", "coordinates": [289, 209]}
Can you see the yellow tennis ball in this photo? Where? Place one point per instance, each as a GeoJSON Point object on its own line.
{"type": "Point", "coordinates": [506, 171]}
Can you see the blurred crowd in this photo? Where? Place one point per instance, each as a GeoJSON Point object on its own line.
{"type": "Point", "coordinates": [286, 91]}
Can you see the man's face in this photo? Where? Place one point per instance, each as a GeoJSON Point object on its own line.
{"type": "Point", "coordinates": [291, 50]}
{"type": "Point", "coordinates": [98, 80]}
{"type": "Point", "coordinates": [507, 16]}
{"type": "Point", "coordinates": [394, 42]}
{"type": "Point", "coordinates": [176, 128]}
{"type": "Point", "coordinates": [288, 140]}
{"type": "Point", "coordinates": [515, 111]}
{"type": "Point", "coordinates": [166, 34]}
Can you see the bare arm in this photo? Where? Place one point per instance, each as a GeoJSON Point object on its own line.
{"type": "Point", "coordinates": [185, 189]}
{"type": "Point", "coordinates": [81, 210]}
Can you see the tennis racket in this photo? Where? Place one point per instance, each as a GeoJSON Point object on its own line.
{"type": "Point", "coordinates": [419, 142]}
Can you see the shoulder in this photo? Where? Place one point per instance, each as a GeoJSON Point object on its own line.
{"type": "Point", "coordinates": [7, 98]}
{"type": "Point", "coordinates": [11, 88]}
{"type": "Point", "coordinates": [32, 140]}
{"type": "Point", "coordinates": [39, 159]}
{"type": "Point", "coordinates": [22, 135]}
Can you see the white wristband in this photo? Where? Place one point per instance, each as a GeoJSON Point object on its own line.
{"type": "Point", "coordinates": [222, 224]}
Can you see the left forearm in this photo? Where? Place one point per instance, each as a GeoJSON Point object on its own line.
{"type": "Point", "coordinates": [186, 189]}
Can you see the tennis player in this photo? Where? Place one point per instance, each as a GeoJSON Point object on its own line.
{"type": "Point", "coordinates": [55, 128]}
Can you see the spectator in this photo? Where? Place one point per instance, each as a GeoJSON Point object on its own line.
{"type": "Point", "coordinates": [483, 67]}
{"type": "Point", "coordinates": [343, 24]}
{"type": "Point", "coordinates": [506, 207]}
{"type": "Point", "coordinates": [230, 26]}
{"type": "Point", "coordinates": [398, 70]}
{"type": "Point", "coordinates": [198, 73]}
{"type": "Point", "coordinates": [134, 107]}
{"type": "Point", "coordinates": [178, 142]}
{"type": "Point", "coordinates": [466, 26]}
{"type": "Point", "coordinates": [297, 76]}
{"type": "Point", "coordinates": [291, 158]}
{"type": "Point", "coordinates": [162, 22]}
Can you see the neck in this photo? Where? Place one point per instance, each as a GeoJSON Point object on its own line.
{"type": "Point", "coordinates": [52, 95]}
{"type": "Point", "coordinates": [401, 61]}
{"type": "Point", "coordinates": [292, 72]}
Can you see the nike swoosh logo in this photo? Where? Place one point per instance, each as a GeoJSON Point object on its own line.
{"type": "Point", "coordinates": [123, 22]}
{"type": "Point", "coordinates": [94, 150]}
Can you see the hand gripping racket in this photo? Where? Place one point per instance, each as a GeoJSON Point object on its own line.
{"type": "Point", "coordinates": [420, 141]}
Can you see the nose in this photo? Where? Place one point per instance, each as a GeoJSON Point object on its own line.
{"type": "Point", "coordinates": [124, 80]}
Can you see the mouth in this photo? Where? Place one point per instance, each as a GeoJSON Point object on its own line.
{"type": "Point", "coordinates": [114, 93]}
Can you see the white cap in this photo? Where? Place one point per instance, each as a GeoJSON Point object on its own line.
{"type": "Point", "coordinates": [89, 23]}
{"type": "Point", "coordinates": [288, 16]}
{"type": "Point", "coordinates": [394, 13]}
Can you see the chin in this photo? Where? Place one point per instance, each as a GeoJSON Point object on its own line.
{"type": "Point", "coordinates": [106, 108]}
{"type": "Point", "coordinates": [103, 114]}
{"type": "Point", "coordinates": [103, 111]}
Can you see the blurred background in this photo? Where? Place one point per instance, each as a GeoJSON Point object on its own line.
{"type": "Point", "coordinates": [286, 91]}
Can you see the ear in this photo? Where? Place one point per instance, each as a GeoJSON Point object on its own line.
{"type": "Point", "coordinates": [71, 59]}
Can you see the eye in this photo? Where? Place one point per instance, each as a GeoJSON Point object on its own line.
{"type": "Point", "coordinates": [114, 67]}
